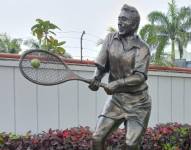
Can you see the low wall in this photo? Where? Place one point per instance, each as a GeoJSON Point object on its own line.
{"type": "Point", "coordinates": [25, 106]}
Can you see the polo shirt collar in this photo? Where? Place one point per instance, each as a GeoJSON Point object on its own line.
{"type": "Point", "coordinates": [132, 40]}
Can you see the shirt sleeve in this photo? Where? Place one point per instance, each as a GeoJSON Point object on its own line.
{"type": "Point", "coordinates": [102, 59]}
{"type": "Point", "coordinates": [142, 60]}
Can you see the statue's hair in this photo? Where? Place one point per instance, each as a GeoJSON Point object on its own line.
{"type": "Point", "coordinates": [134, 12]}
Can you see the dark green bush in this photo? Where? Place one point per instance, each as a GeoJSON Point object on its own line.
{"type": "Point", "coordinates": [171, 136]}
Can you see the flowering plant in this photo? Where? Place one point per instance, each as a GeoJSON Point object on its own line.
{"type": "Point", "coordinates": [170, 136]}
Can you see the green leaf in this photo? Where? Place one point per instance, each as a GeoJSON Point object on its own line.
{"type": "Point", "coordinates": [52, 32]}
{"type": "Point", "coordinates": [61, 43]}
{"type": "Point", "coordinates": [1, 140]}
{"type": "Point", "coordinates": [44, 31]}
{"type": "Point", "coordinates": [60, 50]}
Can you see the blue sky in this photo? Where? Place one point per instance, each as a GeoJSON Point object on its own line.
{"type": "Point", "coordinates": [73, 16]}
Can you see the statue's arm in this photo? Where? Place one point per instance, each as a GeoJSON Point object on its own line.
{"type": "Point", "coordinates": [136, 80]}
{"type": "Point", "coordinates": [133, 80]}
{"type": "Point", "coordinates": [99, 72]}
{"type": "Point", "coordinates": [102, 65]}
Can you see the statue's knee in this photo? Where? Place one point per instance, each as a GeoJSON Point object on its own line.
{"type": "Point", "coordinates": [98, 143]}
{"type": "Point", "coordinates": [97, 139]}
{"type": "Point", "coordinates": [132, 145]}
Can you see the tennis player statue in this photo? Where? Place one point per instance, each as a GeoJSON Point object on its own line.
{"type": "Point", "coordinates": [126, 58]}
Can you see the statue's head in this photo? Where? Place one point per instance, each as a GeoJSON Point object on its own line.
{"type": "Point", "coordinates": [128, 20]}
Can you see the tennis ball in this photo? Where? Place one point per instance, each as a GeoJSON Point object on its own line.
{"type": "Point", "coordinates": [35, 63]}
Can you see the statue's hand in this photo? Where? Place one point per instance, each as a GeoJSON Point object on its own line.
{"type": "Point", "coordinates": [94, 85]}
{"type": "Point", "coordinates": [111, 87]}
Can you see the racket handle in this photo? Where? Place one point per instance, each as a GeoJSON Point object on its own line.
{"type": "Point", "coordinates": [103, 85]}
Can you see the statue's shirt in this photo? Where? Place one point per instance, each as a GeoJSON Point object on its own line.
{"type": "Point", "coordinates": [122, 57]}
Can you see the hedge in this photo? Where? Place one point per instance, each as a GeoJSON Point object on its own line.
{"type": "Point", "coordinates": [170, 136]}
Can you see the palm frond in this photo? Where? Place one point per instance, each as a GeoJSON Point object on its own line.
{"type": "Point", "coordinates": [180, 47]}
{"type": "Point", "coordinates": [152, 34]}
{"type": "Point", "coordinates": [40, 21]}
{"type": "Point", "coordinates": [145, 30]}
{"type": "Point", "coordinates": [100, 42]}
{"type": "Point", "coordinates": [160, 49]}
{"type": "Point", "coordinates": [158, 18]}
{"type": "Point", "coordinates": [172, 10]}
{"type": "Point", "coordinates": [184, 18]}
{"type": "Point", "coordinates": [148, 34]}
{"type": "Point", "coordinates": [111, 29]}
{"type": "Point", "coordinates": [184, 37]}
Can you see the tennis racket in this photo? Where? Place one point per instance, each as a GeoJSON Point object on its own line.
{"type": "Point", "coordinates": [45, 68]}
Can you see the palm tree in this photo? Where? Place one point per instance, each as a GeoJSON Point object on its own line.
{"type": "Point", "coordinates": [110, 30]}
{"type": "Point", "coordinates": [8, 45]}
{"type": "Point", "coordinates": [170, 28]}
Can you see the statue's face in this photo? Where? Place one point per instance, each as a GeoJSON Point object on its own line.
{"type": "Point", "coordinates": [126, 23]}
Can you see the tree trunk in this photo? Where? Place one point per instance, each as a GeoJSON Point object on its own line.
{"type": "Point", "coordinates": [173, 51]}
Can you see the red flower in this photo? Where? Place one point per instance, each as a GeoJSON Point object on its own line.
{"type": "Point", "coordinates": [66, 134]}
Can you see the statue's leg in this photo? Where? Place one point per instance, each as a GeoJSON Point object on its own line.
{"type": "Point", "coordinates": [135, 132]}
{"type": "Point", "coordinates": [104, 127]}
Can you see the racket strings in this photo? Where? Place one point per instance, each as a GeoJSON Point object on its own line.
{"type": "Point", "coordinates": [51, 69]}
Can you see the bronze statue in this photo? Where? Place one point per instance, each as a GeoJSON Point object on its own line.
{"type": "Point", "coordinates": [126, 58]}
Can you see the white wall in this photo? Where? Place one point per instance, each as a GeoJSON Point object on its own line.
{"type": "Point", "coordinates": [25, 106]}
